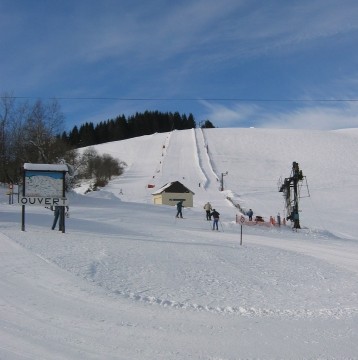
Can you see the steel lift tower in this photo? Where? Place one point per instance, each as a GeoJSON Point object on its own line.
{"type": "Point", "coordinates": [290, 189]}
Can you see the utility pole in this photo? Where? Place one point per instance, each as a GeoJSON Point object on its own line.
{"type": "Point", "coordinates": [222, 180]}
{"type": "Point", "coordinates": [289, 186]}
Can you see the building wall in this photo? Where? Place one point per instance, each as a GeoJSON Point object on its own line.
{"type": "Point", "coordinates": [157, 199]}
{"type": "Point", "coordinates": [173, 198]}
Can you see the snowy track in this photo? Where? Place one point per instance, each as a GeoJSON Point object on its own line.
{"type": "Point", "coordinates": [154, 267]}
{"type": "Point", "coordinates": [108, 288]}
{"type": "Point", "coordinates": [211, 179]}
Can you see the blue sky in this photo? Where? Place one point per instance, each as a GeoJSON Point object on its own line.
{"type": "Point", "coordinates": [238, 63]}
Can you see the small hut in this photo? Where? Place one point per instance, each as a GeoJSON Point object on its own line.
{"type": "Point", "coordinates": [172, 193]}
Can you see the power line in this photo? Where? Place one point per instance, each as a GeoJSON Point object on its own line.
{"type": "Point", "coordinates": [182, 99]}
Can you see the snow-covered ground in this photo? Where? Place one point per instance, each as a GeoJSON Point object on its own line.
{"type": "Point", "coordinates": [130, 281]}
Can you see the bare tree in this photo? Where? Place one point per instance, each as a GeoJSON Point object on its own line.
{"type": "Point", "coordinates": [7, 120]}
{"type": "Point", "coordinates": [43, 123]}
{"type": "Point", "coordinates": [101, 168]}
{"type": "Point", "coordinates": [87, 163]}
{"type": "Point", "coordinates": [28, 133]}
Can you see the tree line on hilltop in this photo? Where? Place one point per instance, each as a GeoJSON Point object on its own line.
{"type": "Point", "coordinates": [122, 128]}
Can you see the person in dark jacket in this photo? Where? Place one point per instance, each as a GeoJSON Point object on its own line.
{"type": "Point", "coordinates": [59, 213]}
{"type": "Point", "coordinates": [216, 217]}
{"type": "Point", "coordinates": [179, 209]}
{"type": "Point", "coordinates": [250, 213]}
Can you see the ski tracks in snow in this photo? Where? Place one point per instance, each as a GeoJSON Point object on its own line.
{"type": "Point", "coordinates": [131, 268]}
{"type": "Point", "coordinates": [337, 313]}
{"type": "Point", "coordinates": [195, 154]}
{"type": "Point", "coordinates": [203, 159]}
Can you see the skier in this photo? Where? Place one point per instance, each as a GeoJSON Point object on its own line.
{"type": "Point", "coordinates": [249, 214]}
{"type": "Point", "coordinates": [179, 209]}
{"type": "Point", "coordinates": [216, 217]}
{"type": "Point", "coordinates": [208, 208]}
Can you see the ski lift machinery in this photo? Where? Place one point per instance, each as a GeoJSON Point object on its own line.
{"type": "Point", "coordinates": [291, 189]}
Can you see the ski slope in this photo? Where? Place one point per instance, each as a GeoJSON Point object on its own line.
{"type": "Point", "coordinates": [130, 281]}
{"type": "Point", "coordinates": [255, 160]}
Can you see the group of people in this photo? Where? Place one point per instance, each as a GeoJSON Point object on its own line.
{"type": "Point", "coordinates": [210, 213]}
{"type": "Point", "coordinates": [215, 215]}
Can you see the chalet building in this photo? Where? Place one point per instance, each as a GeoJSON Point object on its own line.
{"type": "Point", "coordinates": [172, 193]}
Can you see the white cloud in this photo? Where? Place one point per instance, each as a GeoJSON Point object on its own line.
{"type": "Point", "coordinates": [318, 118]}
{"type": "Point", "coordinates": [305, 117]}
{"type": "Point", "coordinates": [222, 115]}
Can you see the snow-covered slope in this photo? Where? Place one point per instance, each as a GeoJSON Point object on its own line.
{"type": "Point", "coordinates": [130, 281]}
{"type": "Point", "coordinates": [255, 160]}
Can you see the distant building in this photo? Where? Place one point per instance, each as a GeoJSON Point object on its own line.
{"type": "Point", "coordinates": [171, 193]}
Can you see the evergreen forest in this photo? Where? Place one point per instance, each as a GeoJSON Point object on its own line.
{"type": "Point", "coordinates": [122, 128]}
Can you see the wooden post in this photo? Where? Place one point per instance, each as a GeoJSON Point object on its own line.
{"type": "Point", "coordinates": [23, 206]}
{"type": "Point", "coordinates": [62, 217]}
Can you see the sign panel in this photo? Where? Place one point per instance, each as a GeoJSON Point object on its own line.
{"type": "Point", "coordinates": [43, 183]}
